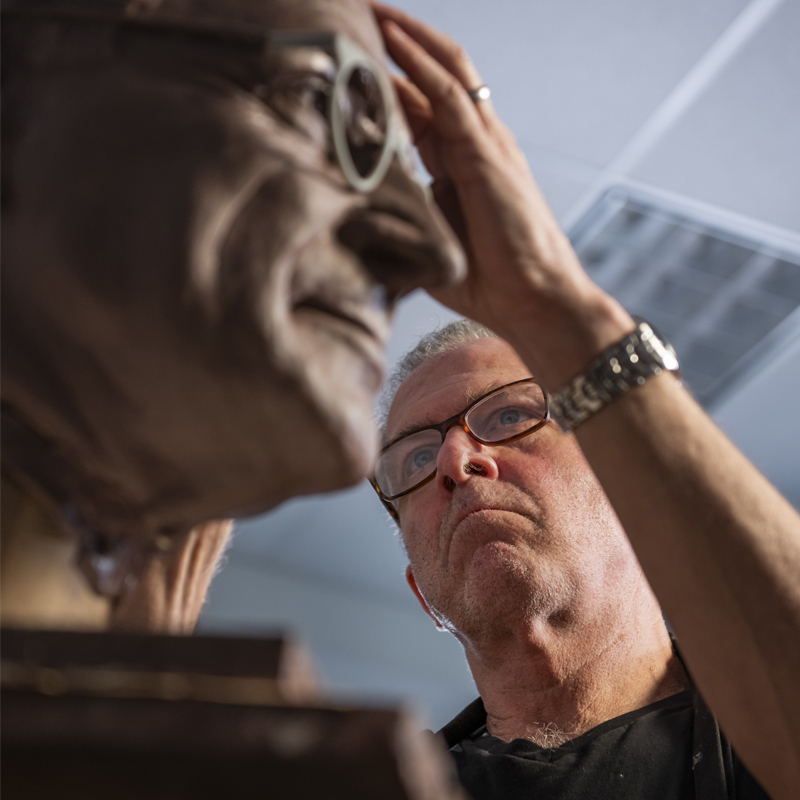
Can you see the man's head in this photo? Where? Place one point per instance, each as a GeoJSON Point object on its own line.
{"type": "Point", "coordinates": [503, 535]}
{"type": "Point", "coordinates": [195, 297]}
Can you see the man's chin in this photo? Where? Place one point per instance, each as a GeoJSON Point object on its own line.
{"type": "Point", "coordinates": [500, 589]}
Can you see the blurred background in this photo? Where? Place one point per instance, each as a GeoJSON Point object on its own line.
{"type": "Point", "coordinates": [666, 136]}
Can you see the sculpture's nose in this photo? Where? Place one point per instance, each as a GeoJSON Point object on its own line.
{"type": "Point", "coordinates": [402, 238]}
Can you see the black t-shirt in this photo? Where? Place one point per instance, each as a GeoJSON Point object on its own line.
{"type": "Point", "coordinates": [672, 749]}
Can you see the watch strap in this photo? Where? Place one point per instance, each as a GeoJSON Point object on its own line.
{"type": "Point", "coordinates": [630, 362]}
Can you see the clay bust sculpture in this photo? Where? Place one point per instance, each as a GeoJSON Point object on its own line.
{"type": "Point", "coordinates": [204, 238]}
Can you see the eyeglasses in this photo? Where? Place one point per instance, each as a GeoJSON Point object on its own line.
{"type": "Point", "coordinates": [364, 124]}
{"type": "Point", "coordinates": [366, 134]}
{"type": "Point", "coordinates": [499, 417]}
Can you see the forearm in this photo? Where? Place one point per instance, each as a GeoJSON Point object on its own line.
{"type": "Point", "coordinates": [721, 549]}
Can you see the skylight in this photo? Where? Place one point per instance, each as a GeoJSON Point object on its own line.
{"type": "Point", "coordinates": [721, 298]}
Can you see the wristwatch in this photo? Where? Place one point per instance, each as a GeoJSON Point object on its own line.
{"type": "Point", "coordinates": [630, 362]}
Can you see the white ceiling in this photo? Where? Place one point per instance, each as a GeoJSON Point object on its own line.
{"type": "Point", "coordinates": [698, 101]}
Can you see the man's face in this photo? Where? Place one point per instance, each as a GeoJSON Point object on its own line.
{"type": "Point", "coordinates": [203, 260]}
{"type": "Point", "coordinates": [503, 534]}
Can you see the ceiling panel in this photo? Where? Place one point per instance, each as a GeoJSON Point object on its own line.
{"type": "Point", "coordinates": [724, 298]}
{"type": "Point", "coordinates": [579, 77]}
{"type": "Point", "coordinates": [737, 147]}
{"type": "Point", "coordinates": [562, 179]}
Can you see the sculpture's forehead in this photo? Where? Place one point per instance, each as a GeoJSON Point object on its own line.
{"type": "Point", "coordinates": [351, 17]}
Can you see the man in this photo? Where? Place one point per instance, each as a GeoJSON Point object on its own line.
{"type": "Point", "coordinates": [515, 540]}
{"type": "Point", "coordinates": [208, 215]}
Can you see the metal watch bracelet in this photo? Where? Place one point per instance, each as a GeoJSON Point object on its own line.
{"type": "Point", "coordinates": [630, 362]}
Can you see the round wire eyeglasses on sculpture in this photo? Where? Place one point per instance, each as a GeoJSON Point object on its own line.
{"type": "Point", "coordinates": [365, 126]}
{"type": "Point", "coordinates": [502, 416]}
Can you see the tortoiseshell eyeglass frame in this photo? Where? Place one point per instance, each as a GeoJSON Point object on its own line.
{"type": "Point", "coordinates": [457, 420]}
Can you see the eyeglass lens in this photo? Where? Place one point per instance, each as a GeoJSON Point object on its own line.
{"type": "Point", "coordinates": [364, 115]}
{"type": "Point", "coordinates": [504, 415]}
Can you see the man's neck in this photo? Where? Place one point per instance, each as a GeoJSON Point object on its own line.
{"type": "Point", "coordinates": [550, 684]}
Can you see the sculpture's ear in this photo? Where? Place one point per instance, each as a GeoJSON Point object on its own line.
{"type": "Point", "coordinates": [412, 582]}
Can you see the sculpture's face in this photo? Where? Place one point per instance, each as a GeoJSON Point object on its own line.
{"type": "Point", "coordinates": [195, 290]}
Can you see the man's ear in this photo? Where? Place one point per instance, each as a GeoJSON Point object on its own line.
{"type": "Point", "coordinates": [412, 582]}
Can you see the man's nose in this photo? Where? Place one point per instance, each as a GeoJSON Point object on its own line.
{"type": "Point", "coordinates": [401, 237]}
{"type": "Point", "coordinates": [461, 458]}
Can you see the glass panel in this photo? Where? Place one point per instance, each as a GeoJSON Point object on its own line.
{"type": "Point", "coordinates": [508, 413]}
{"type": "Point", "coordinates": [714, 291]}
{"type": "Point", "coordinates": [783, 279]}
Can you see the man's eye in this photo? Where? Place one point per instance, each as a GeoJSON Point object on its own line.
{"type": "Point", "coordinates": [509, 416]}
{"type": "Point", "coordinates": [418, 460]}
{"type": "Point", "coordinates": [513, 416]}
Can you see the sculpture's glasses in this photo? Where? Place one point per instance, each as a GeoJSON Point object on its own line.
{"type": "Point", "coordinates": [502, 416]}
{"type": "Point", "coordinates": [364, 126]}
{"type": "Point", "coordinates": [366, 134]}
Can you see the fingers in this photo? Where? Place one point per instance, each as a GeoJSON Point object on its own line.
{"type": "Point", "coordinates": [441, 47]}
{"type": "Point", "coordinates": [415, 104]}
{"type": "Point", "coordinates": [454, 113]}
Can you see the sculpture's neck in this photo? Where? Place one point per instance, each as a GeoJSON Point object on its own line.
{"type": "Point", "coordinates": [41, 468]}
{"type": "Point", "coordinates": [35, 464]}
{"type": "Point", "coordinates": [40, 586]}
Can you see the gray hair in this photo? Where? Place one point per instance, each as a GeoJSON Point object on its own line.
{"type": "Point", "coordinates": [430, 346]}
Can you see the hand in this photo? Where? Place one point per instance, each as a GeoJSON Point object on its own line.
{"type": "Point", "coordinates": [525, 281]}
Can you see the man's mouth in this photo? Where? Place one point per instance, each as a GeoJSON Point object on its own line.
{"type": "Point", "coordinates": [463, 514]}
{"type": "Point", "coordinates": [450, 528]}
